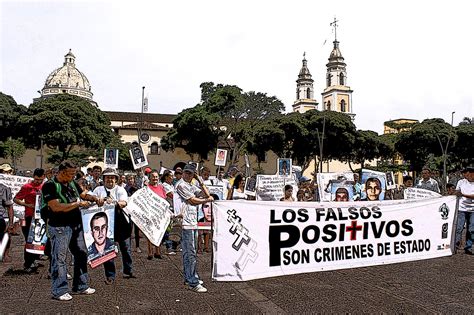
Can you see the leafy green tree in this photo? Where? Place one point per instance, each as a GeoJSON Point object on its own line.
{"type": "Point", "coordinates": [12, 149]}
{"type": "Point", "coordinates": [462, 151]}
{"type": "Point", "coordinates": [225, 115]}
{"type": "Point", "coordinates": [10, 112]}
{"type": "Point", "coordinates": [66, 122]}
{"type": "Point", "coordinates": [430, 138]}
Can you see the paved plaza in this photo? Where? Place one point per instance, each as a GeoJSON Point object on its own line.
{"type": "Point", "coordinates": [443, 285]}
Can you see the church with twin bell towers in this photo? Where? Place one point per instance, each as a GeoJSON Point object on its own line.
{"type": "Point", "coordinates": [337, 96]}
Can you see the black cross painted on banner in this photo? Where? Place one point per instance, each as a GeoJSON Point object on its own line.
{"type": "Point", "coordinates": [353, 228]}
{"type": "Point", "coordinates": [242, 237]}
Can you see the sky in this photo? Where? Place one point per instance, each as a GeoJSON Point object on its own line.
{"type": "Point", "coordinates": [405, 59]}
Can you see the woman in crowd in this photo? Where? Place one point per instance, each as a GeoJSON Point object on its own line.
{"type": "Point", "coordinates": [236, 192]}
{"type": "Point", "coordinates": [288, 194]}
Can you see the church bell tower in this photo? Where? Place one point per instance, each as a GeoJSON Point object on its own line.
{"type": "Point", "coordinates": [304, 90]}
{"type": "Point", "coordinates": [337, 96]}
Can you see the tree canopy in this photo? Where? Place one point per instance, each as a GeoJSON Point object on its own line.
{"type": "Point", "coordinates": [63, 122]}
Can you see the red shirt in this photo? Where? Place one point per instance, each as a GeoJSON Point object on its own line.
{"type": "Point", "coordinates": [159, 190]}
{"type": "Point", "coordinates": [28, 194]}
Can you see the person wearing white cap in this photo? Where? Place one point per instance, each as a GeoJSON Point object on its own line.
{"type": "Point", "coordinates": [5, 168]}
{"type": "Point", "coordinates": [113, 193]}
{"type": "Point", "coordinates": [191, 196]}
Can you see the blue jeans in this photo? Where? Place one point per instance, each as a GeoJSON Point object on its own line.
{"type": "Point", "coordinates": [188, 244]}
{"type": "Point", "coordinates": [62, 238]}
{"type": "Point", "coordinates": [463, 216]}
{"type": "Point", "coordinates": [109, 266]}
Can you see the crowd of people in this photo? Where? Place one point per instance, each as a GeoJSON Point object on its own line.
{"type": "Point", "coordinates": [65, 189]}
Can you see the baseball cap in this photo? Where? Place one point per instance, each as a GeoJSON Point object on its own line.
{"type": "Point", "coordinates": [189, 168]}
{"type": "Point", "coordinates": [147, 170]}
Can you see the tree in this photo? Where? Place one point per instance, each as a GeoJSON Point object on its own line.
{"type": "Point", "coordinates": [10, 112]}
{"type": "Point", "coordinates": [13, 149]}
{"type": "Point", "coordinates": [64, 122]}
{"type": "Point", "coordinates": [225, 115]}
{"type": "Point", "coordinates": [462, 149]}
{"type": "Point", "coordinates": [367, 148]}
{"type": "Point", "coordinates": [428, 139]}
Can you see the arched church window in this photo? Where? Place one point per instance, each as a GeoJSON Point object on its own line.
{"type": "Point", "coordinates": [297, 94]}
{"type": "Point", "coordinates": [308, 93]}
{"type": "Point", "coordinates": [343, 106]}
{"type": "Point", "coordinates": [341, 79]}
{"type": "Point", "coordinates": [154, 148]}
{"type": "Point", "coordinates": [328, 79]}
{"type": "Point", "coordinates": [328, 107]}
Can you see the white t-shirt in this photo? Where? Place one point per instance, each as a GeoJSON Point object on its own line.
{"type": "Point", "coordinates": [467, 188]}
{"type": "Point", "coordinates": [117, 193]}
{"type": "Point", "coordinates": [185, 191]}
{"type": "Point", "coordinates": [236, 195]}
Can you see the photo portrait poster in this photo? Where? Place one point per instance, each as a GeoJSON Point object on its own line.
{"type": "Point", "coordinates": [221, 157]}
{"type": "Point", "coordinates": [98, 224]}
{"type": "Point", "coordinates": [138, 157]}
{"type": "Point", "coordinates": [111, 158]}
{"type": "Point", "coordinates": [284, 167]}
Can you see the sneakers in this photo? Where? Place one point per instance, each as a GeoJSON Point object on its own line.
{"type": "Point", "coordinates": [68, 276]}
{"type": "Point", "coordinates": [64, 297]}
{"type": "Point", "coordinates": [199, 281]}
{"type": "Point", "coordinates": [138, 250]}
{"type": "Point", "coordinates": [87, 291]}
{"type": "Point", "coordinates": [171, 252]}
{"type": "Point", "coordinates": [199, 289]}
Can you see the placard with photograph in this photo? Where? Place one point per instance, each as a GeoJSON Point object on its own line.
{"type": "Point", "coordinates": [138, 157]}
{"type": "Point", "coordinates": [284, 167]}
{"type": "Point", "coordinates": [373, 185]}
{"type": "Point", "coordinates": [250, 186]}
{"type": "Point", "coordinates": [221, 157]}
{"type": "Point", "coordinates": [98, 224]}
{"type": "Point", "coordinates": [111, 158]}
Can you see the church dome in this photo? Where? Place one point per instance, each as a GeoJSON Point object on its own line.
{"type": "Point", "coordinates": [67, 80]}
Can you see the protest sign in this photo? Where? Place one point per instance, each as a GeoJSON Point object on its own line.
{"type": "Point", "coordinates": [265, 239]}
{"type": "Point", "coordinates": [221, 157]}
{"type": "Point", "coordinates": [37, 237]}
{"type": "Point", "coordinates": [271, 187]}
{"type": "Point", "coordinates": [390, 180]}
{"type": "Point", "coordinates": [325, 181]}
{"type": "Point", "coordinates": [250, 186]}
{"type": "Point", "coordinates": [374, 185]}
{"type": "Point", "coordinates": [150, 213]}
{"type": "Point", "coordinates": [205, 217]}
{"type": "Point", "coordinates": [342, 191]}
{"type": "Point", "coordinates": [284, 167]}
{"type": "Point", "coordinates": [111, 158]}
{"type": "Point", "coordinates": [418, 193]}
{"type": "Point", "coordinates": [217, 191]}
{"type": "Point", "coordinates": [138, 157]}
{"type": "Point", "coordinates": [14, 183]}
{"type": "Point", "coordinates": [98, 224]}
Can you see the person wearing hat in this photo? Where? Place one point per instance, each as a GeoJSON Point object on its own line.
{"type": "Point", "coordinates": [465, 190]}
{"type": "Point", "coordinates": [6, 168]}
{"type": "Point", "coordinates": [110, 192]}
{"type": "Point", "coordinates": [178, 174]}
{"type": "Point", "coordinates": [191, 196]}
{"type": "Point", "coordinates": [6, 211]}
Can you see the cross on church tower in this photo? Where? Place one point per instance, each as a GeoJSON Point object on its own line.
{"type": "Point", "coordinates": [334, 24]}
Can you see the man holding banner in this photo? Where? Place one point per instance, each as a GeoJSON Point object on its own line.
{"type": "Point", "coordinates": [112, 193]}
{"type": "Point", "coordinates": [191, 196]}
{"type": "Point", "coordinates": [64, 198]}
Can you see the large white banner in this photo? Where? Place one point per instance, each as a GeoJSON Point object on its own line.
{"type": "Point", "coordinates": [255, 240]}
{"type": "Point", "coordinates": [150, 213]}
{"type": "Point", "coordinates": [14, 183]}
